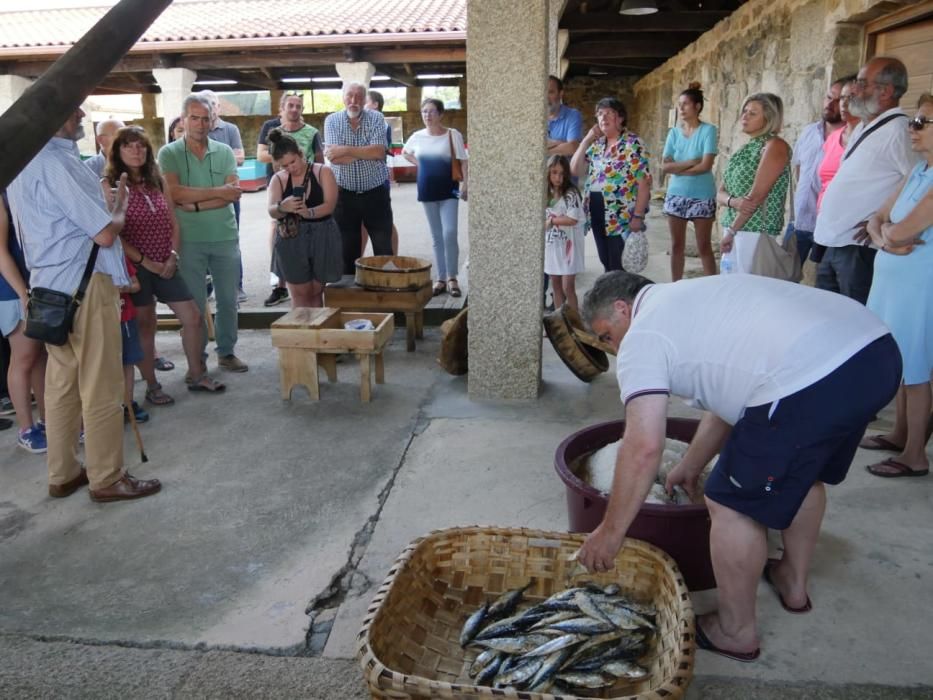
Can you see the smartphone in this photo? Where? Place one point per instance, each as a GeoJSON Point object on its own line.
{"type": "Point", "coordinates": [298, 192]}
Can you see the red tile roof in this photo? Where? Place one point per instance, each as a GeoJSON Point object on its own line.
{"type": "Point", "coordinates": [219, 20]}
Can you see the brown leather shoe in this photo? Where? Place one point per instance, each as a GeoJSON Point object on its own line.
{"type": "Point", "coordinates": [125, 489]}
{"type": "Point", "coordinates": [69, 487]}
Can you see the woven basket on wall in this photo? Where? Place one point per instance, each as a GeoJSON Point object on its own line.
{"type": "Point", "coordinates": [409, 643]}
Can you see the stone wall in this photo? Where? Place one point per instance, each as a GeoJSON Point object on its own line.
{"type": "Point", "coordinates": [584, 92]}
{"type": "Point", "coordinates": [793, 48]}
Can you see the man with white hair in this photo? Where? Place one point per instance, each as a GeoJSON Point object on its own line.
{"type": "Point", "coordinates": [355, 145]}
{"type": "Point", "coordinates": [105, 131]}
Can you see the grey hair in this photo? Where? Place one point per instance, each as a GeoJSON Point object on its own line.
{"type": "Point", "coordinates": [608, 288]}
{"type": "Point", "coordinates": [354, 85]}
{"type": "Point", "coordinates": [893, 73]}
{"type": "Point", "coordinates": [772, 106]}
{"type": "Point", "coordinates": [196, 98]}
{"type": "Point", "coordinates": [104, 124]}
{"type": "Point", "coordinates": [210, 96]}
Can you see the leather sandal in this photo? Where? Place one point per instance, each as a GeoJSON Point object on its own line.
{"type": "Point", "coordinates": [157, 397]}
{"type": "Point", "coordinates": [454, 288]}
{"type": "Point", "coordinates": [439, 288]}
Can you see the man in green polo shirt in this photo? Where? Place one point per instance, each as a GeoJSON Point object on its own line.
{"type": "Point", "coordinates": [203, 180]}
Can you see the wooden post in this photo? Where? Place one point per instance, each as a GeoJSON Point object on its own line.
{"type": "Point", "coordinates": [43, 108]}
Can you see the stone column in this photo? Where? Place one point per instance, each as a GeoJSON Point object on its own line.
{"type": "Point", "coordinates": [176, 86]}
{"type": "Point", "coordinates": [11, 87]}
{"type": "Point", "coordinates": [413, 98]}
{"type": "Point", "coordinates": [555, 48]}
{"type": "Point", "coordinates": [356, 72]}
{"type": "Point", "coordinates": [507, 195]}
{"type": "Point", "coordinates": [149, 106]}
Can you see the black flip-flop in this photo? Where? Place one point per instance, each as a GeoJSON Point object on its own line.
{"type": "Point", "coordinates": [164, 365]}
{"type": "Point", "coordinates": [704, 643]}
{"type": "Point", "coordinates": [900, 468]}
{"type": "Point", "coordinates": [879, 443]}
{"type": "Point", "coordinates": [766, 575]}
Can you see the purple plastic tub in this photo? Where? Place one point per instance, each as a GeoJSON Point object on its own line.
{"type": "Point", "coordinates": [681, 531]}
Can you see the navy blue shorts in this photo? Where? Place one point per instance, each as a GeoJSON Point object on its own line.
{"type": "Point", "coordinates": [777, 451]}
{"type": "Point", "coordinates": [132, 349]}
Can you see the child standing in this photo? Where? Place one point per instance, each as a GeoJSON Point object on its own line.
{"type": "Point", "coordinates": [563, 250]}
{"type": "Point", "coordinates": [132, 349]}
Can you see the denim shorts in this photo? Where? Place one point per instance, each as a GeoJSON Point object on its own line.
{"type": "Point", "coordinates": [11, 313]}
{"type": "Point", "coordinates": [777, 451]}
{"type": "Point", "coordinates": [152, 287]}
{"type": "Point", "coordinates": [132, 348]}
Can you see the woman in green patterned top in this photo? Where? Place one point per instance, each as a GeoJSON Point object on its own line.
{"type": "Point", "coordinates": [756, 179]}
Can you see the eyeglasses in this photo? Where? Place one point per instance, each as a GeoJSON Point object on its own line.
{"type": "Point", "coordinates": [917, 123]}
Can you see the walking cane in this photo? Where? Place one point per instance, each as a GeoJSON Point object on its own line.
{"type": "Point", "coordinates": [139, 438]}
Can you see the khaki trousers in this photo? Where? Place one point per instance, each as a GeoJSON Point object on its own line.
{"type": "Point", "coordinates": [84, 377]}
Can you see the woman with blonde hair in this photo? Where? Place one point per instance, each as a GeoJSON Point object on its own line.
{"type": "Point", "coordinates": [756, 179]}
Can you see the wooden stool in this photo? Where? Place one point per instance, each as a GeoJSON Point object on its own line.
{"type": "Point", "coordinates": [172, 322]}
{"type": "Point", "coordinates": [346, 295]}
{"type": "Point", "coordinates": [307, 338]}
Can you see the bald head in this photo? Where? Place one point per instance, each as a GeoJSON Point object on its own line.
{"type": "Point", "coordinates": [105, 132]}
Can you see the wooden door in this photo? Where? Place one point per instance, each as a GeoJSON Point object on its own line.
{"type": "Point", "coordinates": [907, 35]}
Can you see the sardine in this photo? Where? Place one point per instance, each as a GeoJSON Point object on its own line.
{"type": "Point", "coordinates": [514, 645]}
{"type": "Point", "coordinates": [489, 671]}
{"type": "Point", "coordinates": [551, 665]}
{"type": "Point", "coordinates": [589, 606]}
{"type": "Point", "coordinates": [473, 625]}
{"type": "Point", "coordinates": [625, 669]}
{"type": "Point", "coordinates": [502, 628]}
{"type": "Point", "coordinates": [583, 625]}
{"type": "Point", "coordinates": [586, 680]}
{"type": "Point", "coordinates": [481, 661]}
{"type": "Point", "coordinates": [624, 617]}
{"type": "Point", "coordinates": [554, 618]}
{"type": "Point", "coordinates": [519, 674]}
{"type": "Point", "coordinates": [556, 644]}
{"type": "Point", "coordinates": [506, 603]}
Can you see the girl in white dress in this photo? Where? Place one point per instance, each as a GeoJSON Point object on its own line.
{"type": "Point", "coordinates": [563, 249]}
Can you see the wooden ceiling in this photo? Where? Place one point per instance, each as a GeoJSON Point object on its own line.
{"type": "Point", "coordinates": [604, 42]}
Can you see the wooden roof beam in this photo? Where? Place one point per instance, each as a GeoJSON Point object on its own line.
{"type": "Point", "coordinates": [698, 22]}
{"type": "Point", "coordinates": [664, 48]}
{"type": "Point", "coordinates": [406, 79]}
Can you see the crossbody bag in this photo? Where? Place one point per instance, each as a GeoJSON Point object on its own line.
{"type": "Point", "coordinates": [50, 314]}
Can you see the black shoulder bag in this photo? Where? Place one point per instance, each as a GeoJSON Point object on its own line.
{"type": "Point", "coordinates": [50, 314]}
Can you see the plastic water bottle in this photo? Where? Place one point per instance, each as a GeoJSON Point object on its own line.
{"type": "Point", "coordinates": [727, 263]}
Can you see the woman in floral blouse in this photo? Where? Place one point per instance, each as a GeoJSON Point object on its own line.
{"type": "Point", "coordinates": [614, 162]}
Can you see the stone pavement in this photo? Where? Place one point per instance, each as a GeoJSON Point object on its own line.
{"type": "Point", "coordinates": [248, 575]}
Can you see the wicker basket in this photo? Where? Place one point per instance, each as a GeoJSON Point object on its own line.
{"type": "Point", "coordinates": [406, 274]}
{"type": "Point", "coordinates": [409, 644]}
{"type": "Point", "coordinates": [585, 361]}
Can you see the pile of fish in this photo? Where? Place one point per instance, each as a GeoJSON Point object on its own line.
{"type": "Point", "coordinates": [583, 637]}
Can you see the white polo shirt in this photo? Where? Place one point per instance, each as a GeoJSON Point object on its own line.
{"type": "Point", "coordinates": [865, 179]}
{"type": "Point", "coordinates": [726, 343]}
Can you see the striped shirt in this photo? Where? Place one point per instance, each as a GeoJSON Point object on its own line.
{"type": "Point", "coordinates": [58, 206]}
{"type": "Point", "coordinates": [360, 175]}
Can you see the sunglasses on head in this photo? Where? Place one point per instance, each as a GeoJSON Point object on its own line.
{"type": "Point", "coordinates": [917, 123]}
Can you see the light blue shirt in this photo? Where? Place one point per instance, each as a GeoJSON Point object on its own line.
{"type": "Point", "coordinates": [59, 208]}
{"type": "Point", "coordinates": [808, 154]}
{"type": "Point", "coordinates": [568, 126]}
{"type": "Point", "coordinates": [702, 142]}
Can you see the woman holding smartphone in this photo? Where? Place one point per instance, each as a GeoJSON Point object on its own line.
{"type": "Point", "coordinates": [307, 190]}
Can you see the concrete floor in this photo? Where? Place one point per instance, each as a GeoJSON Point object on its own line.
{"type": "Point", "coordinates": [277, 514]}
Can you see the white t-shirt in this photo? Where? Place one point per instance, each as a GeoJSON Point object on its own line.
{"type": "Point", "coordinates": [865, 179]}
{"type": "Point", "coordinates": [726, 343]}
